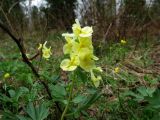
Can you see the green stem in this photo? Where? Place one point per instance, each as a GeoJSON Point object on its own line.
{"type": "Point", "coordinates": [69, 99]}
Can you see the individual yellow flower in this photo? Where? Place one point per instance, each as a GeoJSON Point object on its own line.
{"type": "Point", "coordinates": [123, 42]}
{"type": "Point", "coordinates": [96, 80]}
{"type": "Point", "coordinates": [116, 70]}
{"type": "Point", "coordinates": [86, 59]}
{"type": "Point", "coordinates": [81, 32]}
{"type": "Point", "coordinates": [46, 52]}
{"type": "Point", "coordinates": [86, 32]}
{"type": "Point", "coordinates": [85, 43]}
{"type": "Point", "coordinates": [71, 44]}
{"type": "Point", "coordinates": [70, 65]}
{"type": "Point", "coordinates": [6, 75]}
{"type": "Point", "coordinates": [76, 28]}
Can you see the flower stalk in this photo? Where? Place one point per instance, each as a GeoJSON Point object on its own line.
{"type": "Point", "coordinates": [69, 98]}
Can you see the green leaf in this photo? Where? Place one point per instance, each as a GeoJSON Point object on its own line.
{"type": "Point", "coordinates": [20, 92]}
{"type": "Point", "coordinates": [5, 98]}
{"type": "Point", "coordinates": [12, 93]}
{"type": "Point", "coordinates": [79, 99]}
{"type": "Point", "coordinates": [137, 97]}
{"type": "Point", "coordinates": [150, 91]}
{"type": "Point", "coordinates": [142, 91]}
{"type": "Point", "coordinates": [41, 112]}
{"type": "Point", "coordinates": [37, 113]}
{"type": "Point", "coordinates": [58, 91]}
{"type": "Point", "coordinates": [31, 111]}
{"type": "Point", "coordinates": [90, 100]}
{"type": "Point", "coordinates": [146, 91]}
{"type": "Point", "coordinates": [20, 117]}
{"type": "Point", "coordinates": [9, 116]}
{"type": "Point", "coordinates": [154, 102]}
{"type": "Point", "coordinates": [29, 79]}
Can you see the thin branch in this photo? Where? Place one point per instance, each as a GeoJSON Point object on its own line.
{"type": "Point", "coordinates": [8, 21]}
{"type": "Point", "coordinates": [14, 4]}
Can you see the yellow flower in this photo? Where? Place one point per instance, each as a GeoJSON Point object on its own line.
{"type": "Point", "coordinates": [6, 75]}
{"type": "Point", "coordinates": [81, 32]}
{"type": "Point", "coordinates": [76, 28]}
{"type": "Point", "coordinates": [46, 52]}
{"type": "Point", "coordinates": [40, 46]}
{"type": "Point", "coordinates": [79, 47]}
{"type": "Point", "coordinates": [85, 43]}
{"type": "Point", "coordinates": [86, 59]}
{"type": "Point", "coordinates": [71, 44]}
{"type": "Point", "coordinates": [96, 80]}
{"type": "Point", "coordinates": [70, 65]}
{"type": "Point", "coordinates": [86, 32]}
{"type": "Point", "coordinates": [123, 42]}
{"type": "Point", "coordinates": [116, 70]}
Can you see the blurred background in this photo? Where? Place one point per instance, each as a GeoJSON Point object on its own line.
{"type": "Point", "coordinates": [111, 19]}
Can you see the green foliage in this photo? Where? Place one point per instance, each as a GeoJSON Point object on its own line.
{"type": "Point", "coordinates": [122, 95]}
{"type": "Point", "coordinates": [142, 93]}
{"type": "Point", "coordinates": [36, 113]}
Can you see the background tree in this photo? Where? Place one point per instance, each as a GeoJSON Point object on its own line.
{"type": "Point", "coordinates": [11, 13]}
{"type": "Point", "coordinates": [155, 9]}
{"type": "Point", "coordinates": [60, 13]}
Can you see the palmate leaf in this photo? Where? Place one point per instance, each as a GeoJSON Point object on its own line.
{"type": "Point", "coordinates": [42, 112]}
{"type": "Point", "coordinates": [37, 113]}
{"type": "Point", "coordinates": [154, 102]}
{"type": "Point", "coordinates": [146, 91]}
{"type": "Point", "coordinates": [31, 111]}
{"type": "Point", "coordinates": [141, 94]}
{"type": "Point", "coordinates": [20, 117]}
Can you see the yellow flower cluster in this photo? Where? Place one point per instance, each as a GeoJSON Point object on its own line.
{"type": "Point", "coordinates": [80, 49]}
{"type": "Point", "coordinates": [46, 52]}
{"type": "Point", "coordinates": [123, 42]}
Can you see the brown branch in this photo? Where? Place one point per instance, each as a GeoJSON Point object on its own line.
{"type": "Point", "coordinates": [27, 61]}
{"type": "Point", "coordinates": [35, 56]}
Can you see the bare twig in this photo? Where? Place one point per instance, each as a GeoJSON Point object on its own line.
{"type": "Point", "coordinates": [8, 21]}
{"type": "Point", "coordinates": [13, 5]}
